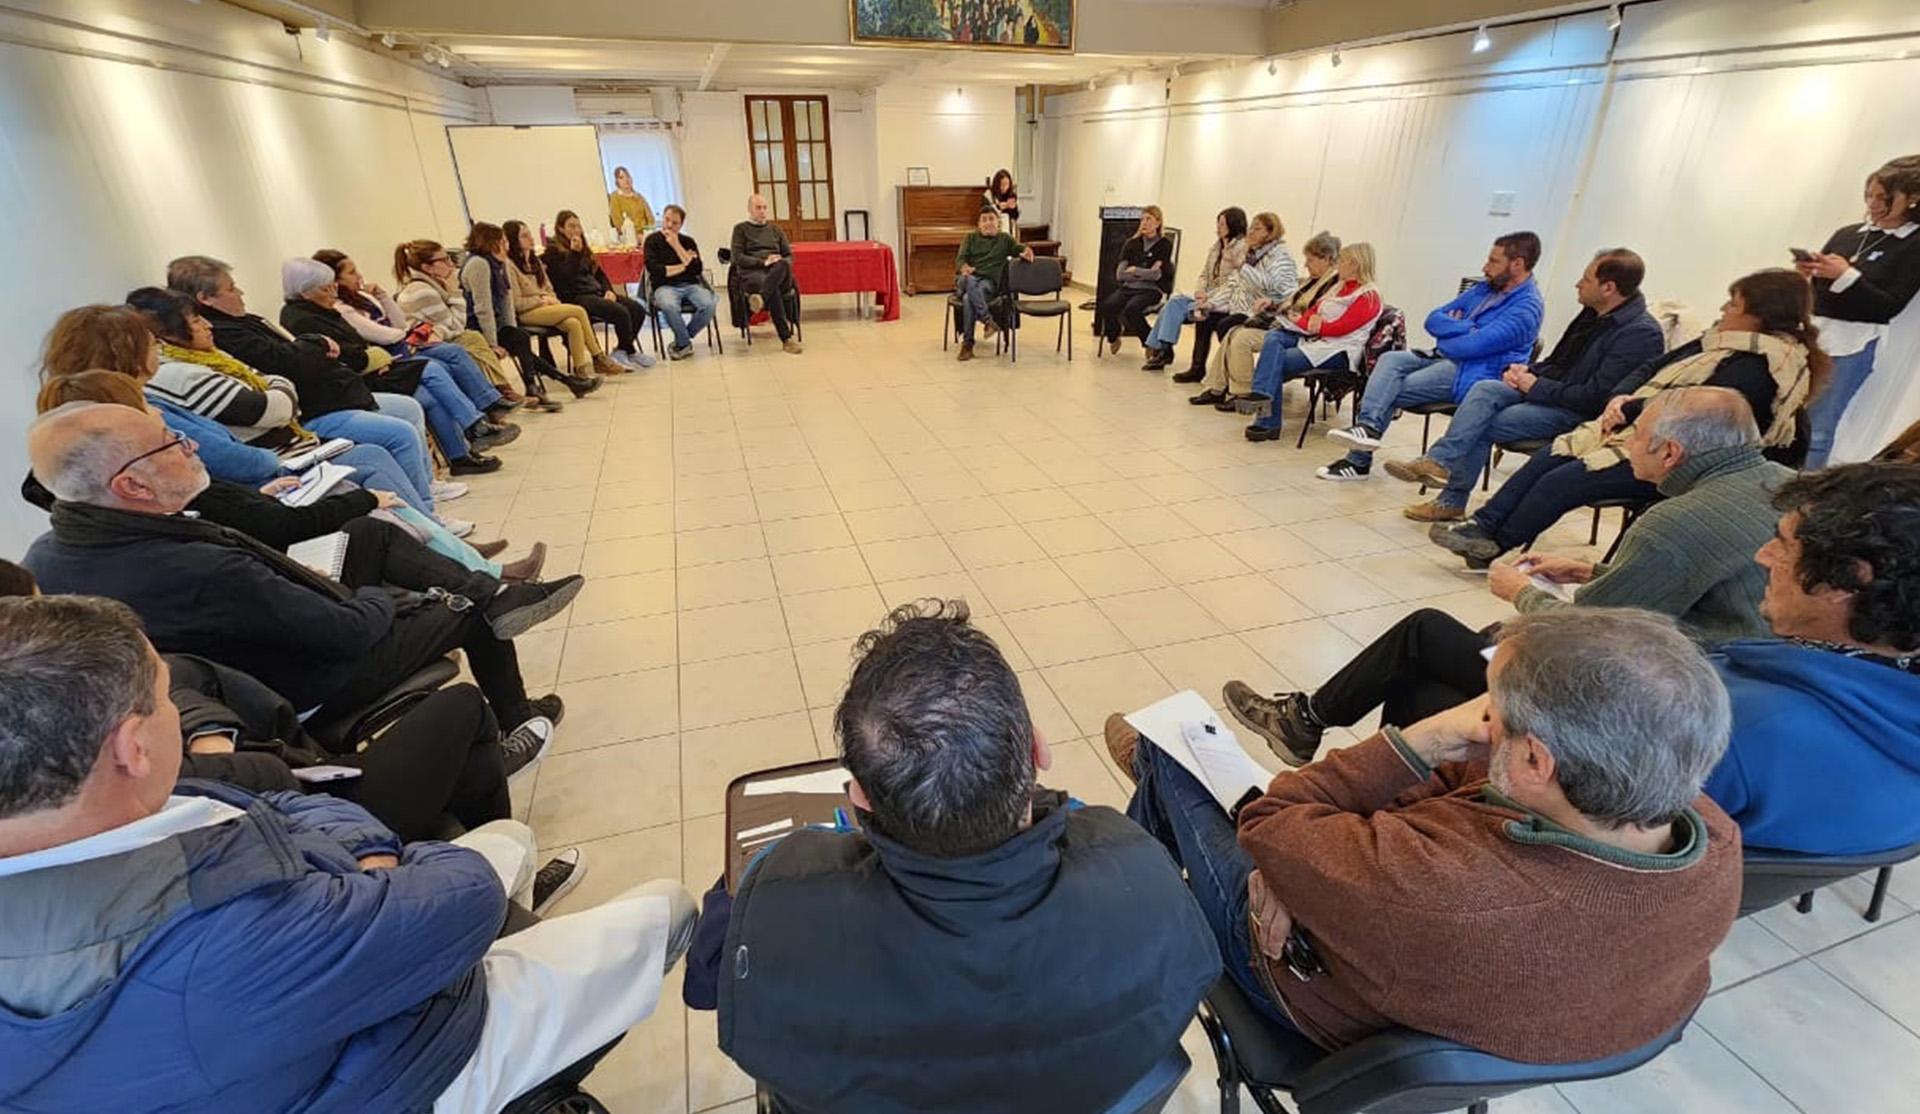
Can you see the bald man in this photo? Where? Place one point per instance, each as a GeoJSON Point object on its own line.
{"type": "Point", "coordinates": [763, 270]}
{"type": "Point", "coordinates": [121, 481]}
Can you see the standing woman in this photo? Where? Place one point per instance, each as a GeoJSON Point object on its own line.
{"type": "Point", "coordinates": [1003, 197]}
{"type": "Point", "coordinates": [1862, 279]}
{"type": "Point", "coordinates": [624, 205]}
{"type": "Point", "coordinates": [578, 279]}
{"type": "Point", "coordinates": [536, 303]}
{"type": "Point", "coordinates": [1207, 308]}
{"type": "Point", "coordinates": [1145, 274]}
{"type": "Point", "coordinates": [489, 297]}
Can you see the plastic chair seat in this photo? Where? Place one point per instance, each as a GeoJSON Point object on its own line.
{"type": "Point", "coordinates": [1045, 307]}
{"type": "Point", "coordinates": [1768, 878]}
{"type": "Point", "coordinates": [344, 735]}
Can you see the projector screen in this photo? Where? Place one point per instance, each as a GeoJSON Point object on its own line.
{"type": "Point", "coordinates": [530, 173]}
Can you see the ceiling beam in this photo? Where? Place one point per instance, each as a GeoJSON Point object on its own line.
{"type": "Point", "coordinates": [1316, 24]}
{"type": "Point", "coordinates": [715, 56]}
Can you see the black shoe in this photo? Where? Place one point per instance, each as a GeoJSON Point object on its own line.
{"type": "Point", "coordinates": [483, 435]}
{"type": "Point", "coordinates": [1344, 469]}
{"type": "Point", "coordinates": [525, 745]}
{"type": "Point", "coordinates": [1282, 721]}
{"type": "Point", "coordinates": [557, 879]}
{"type": "Point", "coordinates": [519, 607]}
{"type": "Point", "coordinates": [1467, 539]}
{"type": "Point", "coordinates": [1253, 402]}
{"type": "Point", "coordinates": [500, 411]}
{"type": "Point", "coordinates": [474, 464]}
{"type": "Point", "coordinates": [550, 706]}
{"type": "Point", "coordinates": [1208, 398]}
{"type": "Point", "coordinates": [1191, 375]}
{"type": "Point", "coordinates": [1263, 433]}
{"type": "Point", "coordinates": [1227, 404]}
{"type": "Point", "coordinates": [581, 385]}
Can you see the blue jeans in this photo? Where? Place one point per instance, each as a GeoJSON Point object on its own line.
{"type": "Point", "coordinates": [1173, 315]}
{"type": "Point", "coordinates": [466, 372]}
{"type": "Point", "coordinates": [1399, 380]}
{"type": "Point", "coordinates": [376, 469]}
{"type": "Point", "coordinates": [669, 302]}
{"type": "Point", "coordinates": [1491, 413]}
{"type": "Point", "coordinates": [1178, 811]}
{"type": "Point", "coordinates": [1547, 487]}
{"type": "Point", "coordinates": [1280, 359]}
{"type": "Point", "coordinates": [450, 413]}
{"type": "Point", "coordinates": [391, 430]}
{"type": "Point", "coordinates": [1829, 406]}
{"type": "Point", "coordinates": [975, 293]}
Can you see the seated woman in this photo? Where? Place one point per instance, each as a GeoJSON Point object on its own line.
{"type": "Point", "coordinates": [1244, 345]}
{"type": "Point", "coordinates": [534, 302]}
{"type": "Point", "coordinates": [578, 279]}
{"type": "Point", "coordinates": [1207, 307]}
{"type": "Point", "coordinates": [114, 342]}
{"type": "Point", "coordinates": [1265, 279]}
{"type": "Point", "coordinates": [1328, 336]}
{"type": "Point", "coordinates": [1765, 346]}
{"type": "Point", "coordinates": [488, 291]}
{"type": "Point", "coordinates": [430, 291]}
{"type": "Point", "coordinates": [453, 391]}
{"type": "Point", "coordinates": [1144, 274]}
{"type": "Point", "coordinates": [377, 317]}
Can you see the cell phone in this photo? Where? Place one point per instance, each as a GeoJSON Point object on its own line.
{"type": "Point", "coordinates": [1802, 255]}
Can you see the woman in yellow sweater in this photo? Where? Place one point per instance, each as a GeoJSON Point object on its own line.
{"type": "Point", "coordinates": [535, 303]}
{"type": "Point", "coordinates": [624, 204]}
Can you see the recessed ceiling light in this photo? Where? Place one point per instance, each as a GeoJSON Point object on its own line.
{"type": "Point", "coordinates": [1613, 18]}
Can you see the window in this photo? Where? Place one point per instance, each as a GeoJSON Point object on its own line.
{"type": "Point", "coordinates": [791, 148]}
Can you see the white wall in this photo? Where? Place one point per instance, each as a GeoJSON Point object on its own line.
{"type": "Point", "coordinates": [111, 165]}
{"type": "Point", "coordinates": [1720, 132]}
{"type": "Point", "coordinates": [960, 134]}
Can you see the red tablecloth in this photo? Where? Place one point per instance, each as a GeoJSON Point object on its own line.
{"type": "Point", "coordinates": [622, 267]}
{"type": "Point", "coordinates": [849, 267]}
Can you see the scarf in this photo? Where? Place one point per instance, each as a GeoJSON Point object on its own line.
{"type": "Point", "coordinates": [1310, 293]}
{"type": "Point", "coordinates": [1786, 363]}
{"type": "Point", "coordinates": [226, 365]}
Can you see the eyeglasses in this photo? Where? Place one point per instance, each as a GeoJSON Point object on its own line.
{"type": "Point", "coordinates": [183, 442]}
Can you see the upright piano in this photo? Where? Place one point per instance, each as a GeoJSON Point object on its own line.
{"type": "Point", "coordinates": [933, 221]}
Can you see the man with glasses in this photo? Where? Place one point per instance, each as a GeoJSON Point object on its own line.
{"type": "Point", "coordinates": [331, 647]}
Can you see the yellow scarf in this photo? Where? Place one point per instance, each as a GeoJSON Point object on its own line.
{"type": "Point", "coordinates": [225, 365]}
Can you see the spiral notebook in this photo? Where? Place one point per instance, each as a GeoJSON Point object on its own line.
{"type": "Point", "coordinates": [326, 554]}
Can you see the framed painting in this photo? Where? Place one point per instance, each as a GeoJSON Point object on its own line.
{"type": "Point", "coordinates": [1044, 25]}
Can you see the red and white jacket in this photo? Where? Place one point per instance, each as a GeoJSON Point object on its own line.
{"type": "Point", "coordinates": [1347, 314]}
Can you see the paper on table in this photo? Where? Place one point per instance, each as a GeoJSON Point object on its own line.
{"type": "Point", "coordinates": [820, 781]}
{"type": "Point", "coordinates": [1179, 725]}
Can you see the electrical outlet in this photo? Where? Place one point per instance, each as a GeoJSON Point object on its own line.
{"type": "Point", "coordinates": [1502, 204]}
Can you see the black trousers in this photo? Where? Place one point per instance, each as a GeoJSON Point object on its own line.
{"type": "Point", "coordinates": [1426, 663]}
{"type": "Point", "coordinates": [426, 626]}
{"type": "Point", "coordinates": [616, 309]}
{"type": "Point", "coordinates": [772, 284]}
{"type": "Point", "coordinates": [440, 759]}
{"type": "Point", "coordinates": [1207, 330]}
{"type": "Point", "coordinates": [533, 367]}
{"type": "Point", "coordinates": [1125, 310]}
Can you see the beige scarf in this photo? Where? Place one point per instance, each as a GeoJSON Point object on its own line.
{"type": "Point", "coordinates": [1786, 363]}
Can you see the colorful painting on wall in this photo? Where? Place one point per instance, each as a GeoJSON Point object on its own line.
{"type": "Point", "coordinates": [980, 24]}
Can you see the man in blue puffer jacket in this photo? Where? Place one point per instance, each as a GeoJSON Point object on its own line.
{"type": "Point", "coordinates": [1475, 337]}
{"type": "Point", "coordinates": [197, 948]}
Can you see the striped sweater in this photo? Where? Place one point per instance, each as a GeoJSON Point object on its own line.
{"type": "Point", "coordinates": [1691, 554]}
{"type": "Point", "coordinates": [256, 417]}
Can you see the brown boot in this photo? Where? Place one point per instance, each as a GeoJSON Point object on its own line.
{"type": "Point", "coordinates": [1433, 511]}
{"type": "Point", "coordinates": [966, 351]}
{"type": "Point", "coordinates": [492, 548]}
{"type": "Point", "coordinates": [606, 365]}
{"type": "Point", "coordinates": [1122, 741]}
{"type": "Point", "coordinates": [528, 567]}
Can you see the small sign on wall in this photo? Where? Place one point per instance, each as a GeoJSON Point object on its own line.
{"type": "Point", "coordinates": [919, 176]}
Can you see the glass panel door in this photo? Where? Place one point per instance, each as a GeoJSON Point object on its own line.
{"type": "Point", "coordinates": [791, 147]}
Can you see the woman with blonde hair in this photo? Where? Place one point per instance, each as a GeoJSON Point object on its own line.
{"type": "Point", "coordinates": [1328, 335]}
{"type": "Point", "coordinates": [536, 303]}
{"type": "Point", "coordinates": [1145, 275]}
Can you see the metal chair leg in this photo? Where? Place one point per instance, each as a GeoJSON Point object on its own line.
{"type": "Point", "coordinates": [1805, 904]}
{"type": "Point", "coordinates": [1879, 900]}
{"type": "Point", "coordinates": [1593, 535]}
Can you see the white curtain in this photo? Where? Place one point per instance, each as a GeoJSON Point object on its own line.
{"type": "Point", "coordinates": [651, 153]}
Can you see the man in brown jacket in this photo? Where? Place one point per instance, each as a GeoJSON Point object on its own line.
{"type": "Point", "coordinates": [1533, 873]}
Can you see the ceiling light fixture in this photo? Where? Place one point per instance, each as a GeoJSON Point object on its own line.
{"type": "Point", "coordinates": [1482, 42]}
{"type": "Point", "coordinates": [322, 32]}
{"type": "Point", "coordinates": [1613, 17]}
{"type": "Point", "coordinates": [1336, 58]}
{"type": "Point", "coordinates": [387, 40]}
{"type": "Point", "coordinates": [1273, 67]}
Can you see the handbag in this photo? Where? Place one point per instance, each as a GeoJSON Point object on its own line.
{"type": "Point", "coordinates": [401, 377]}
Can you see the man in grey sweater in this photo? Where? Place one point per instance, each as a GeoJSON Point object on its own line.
{"type": "Point", "coordinates": [1691, 554]}
{"type": "Point", "coordinates": [763, 268]}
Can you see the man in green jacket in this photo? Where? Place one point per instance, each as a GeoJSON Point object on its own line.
{"type": "Point", "coordinates": [982, 266]}
{"type": "Point", "coordinates": [1691, 554]}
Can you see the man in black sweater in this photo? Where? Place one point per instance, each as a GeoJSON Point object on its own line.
{"type": "Point", "coordinates": [763, 268]}
{"type": "Point", "coordinates": [982, 945]}
{"type": "Point", "coordinates": [121, 481]}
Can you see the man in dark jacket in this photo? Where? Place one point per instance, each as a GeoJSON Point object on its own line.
{"type": "Point", "coordinates": [763, 267]}
{"type": "Point", "coordinates": [121, 480]}
{"type": "Point", "coordinates": [173, 947]}
{"type": "Point", "coordinates": [983, 946]}
{"type": "Point", "coordinates": [1611, 336]}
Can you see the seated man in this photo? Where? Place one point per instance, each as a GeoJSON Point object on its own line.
{"type": "Point", "coordinates": [1691, 554]}
{"type": "Point", "coordinates": [1006, 950]}
{"type": "Point", "coordinates": [1533, 873]}
{"type": "Point", "coordinates": [762, 265]}
{"type": "Point", "coordinates": [675, 269]}
{"type": "Point", "coordinates": [1612, 335]}
{"type": "Point", "coordinates": [195, 947]}
{"type": "Point", "coordinates": [1476, 335]}
{"type": "Point", "coordinates": [1826, 717]}
{"type": "Point", "coordinates": [121, 479]}
{"type": "Point", "coordinates": [982, 275]}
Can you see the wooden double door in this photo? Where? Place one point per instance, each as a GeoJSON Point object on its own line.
{"type": "Point", "coordinates": [790, 144]}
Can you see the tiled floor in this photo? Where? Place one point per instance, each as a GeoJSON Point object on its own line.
{"type": "Point", "coordinates": [741, 518]}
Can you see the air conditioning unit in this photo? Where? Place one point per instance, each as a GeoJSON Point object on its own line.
{"type": "Point", "coordinates": [660, 103]}
{"type": "Point", "coordinates": [666, 104]}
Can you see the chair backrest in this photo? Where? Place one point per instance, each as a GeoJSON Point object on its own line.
{"type": "Point", "coordinates": [1042, 276]}
{"type": "Point", "coordinates": [1389, 334]}
{"type": "Point", "coordinates": [1768, 878]}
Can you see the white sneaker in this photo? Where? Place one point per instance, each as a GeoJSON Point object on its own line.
{"type": "Point", "coordinates": [446, 491]}
{"type": "Point", "coordinates": [458, 527]}
{"type": "Point", "coordinates": [1356, 435]}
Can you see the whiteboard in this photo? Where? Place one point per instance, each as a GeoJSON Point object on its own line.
{"type": "Point", "coordinates": [530, 173]}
